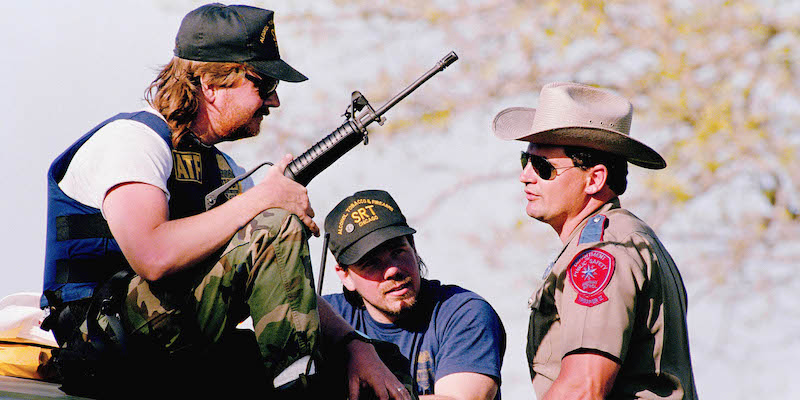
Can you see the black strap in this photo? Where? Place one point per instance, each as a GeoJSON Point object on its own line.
{"type": "Point", "coordinates": [89, 270]}
{"type": "Point", "coordinates": [82, 226]}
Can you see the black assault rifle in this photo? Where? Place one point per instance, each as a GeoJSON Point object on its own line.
{"type": "Point", "coordinates": [354, 131]}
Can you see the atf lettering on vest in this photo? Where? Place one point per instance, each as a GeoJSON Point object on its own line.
{"type": "Point", "coordinates": [188, 166]}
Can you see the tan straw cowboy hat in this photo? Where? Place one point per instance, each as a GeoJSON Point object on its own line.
{"type": "Point", "coordinates": [572, 114]}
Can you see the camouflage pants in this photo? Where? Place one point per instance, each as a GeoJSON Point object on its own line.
{"type": "Point", "coordinates": [264, 272]}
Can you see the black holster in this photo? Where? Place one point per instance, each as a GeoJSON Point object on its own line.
{"type": "Point", "coordinates": [93, 363]}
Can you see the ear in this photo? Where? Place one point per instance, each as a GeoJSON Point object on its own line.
{"type": "Point", "coordinates": [209, 92]}
{"type": "Point", "coordinates": [596, 177]}
{"type": "Point", "coordinates": [345, 277]}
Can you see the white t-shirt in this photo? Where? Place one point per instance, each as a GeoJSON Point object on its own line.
{"type": "Point", "coordinates": [120, 152]}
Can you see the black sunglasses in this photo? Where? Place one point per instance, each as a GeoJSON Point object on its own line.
{"type": "Point", "coordinates": [266, 86]}
{"type": "Point", "coordinates": [543, 168]}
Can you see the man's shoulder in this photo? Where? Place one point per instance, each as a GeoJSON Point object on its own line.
{"type": "Point", "coordinates": [622, 222]}
{"type": "Point", "coordinates": [132, 129]}
{"type": "Point", "coordinates": [340, 304]}
{"type": "Point", "coordinates": [619, 239]}
{"type": "Point", "coordinates": [616, 227]}
{"type": "Point", "coordinates": [335, 299]}
{"type": "Point", "coordinates": [449, 292]}
{"type": "Point", "coordinates": [345, 309]}
{"type": "Point", "coordinates": [453, 299]}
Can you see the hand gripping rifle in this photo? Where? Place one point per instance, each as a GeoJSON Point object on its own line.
{"type": "Point", "coordinates": [354, 131]}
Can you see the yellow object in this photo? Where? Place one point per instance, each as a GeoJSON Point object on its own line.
{"type": "Point", "coordinates": [25, 349]}
{"type": "Point", "coordinates": [24, 360]}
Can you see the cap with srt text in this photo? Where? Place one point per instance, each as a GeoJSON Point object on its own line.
{"type": "Point", "coordinates": [363, 221]}
{"type": "Point", "coordinates": [240, 34]}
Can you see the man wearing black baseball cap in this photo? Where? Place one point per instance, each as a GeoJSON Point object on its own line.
{"type": "Point", "coordinates": [129, 196]}
{"type": "Point", "coordinates": [453, 339]}
{"type": "Point", "coordinates": [241, 34]}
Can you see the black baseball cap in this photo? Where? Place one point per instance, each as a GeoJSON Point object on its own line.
{"type": "Point", "coordinates": [241, 34]}
{"type": "Point", "coordinates": [363, 221]}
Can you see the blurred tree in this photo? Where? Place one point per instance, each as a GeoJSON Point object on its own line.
{"type": "Point", "coordinates": [712, 83]}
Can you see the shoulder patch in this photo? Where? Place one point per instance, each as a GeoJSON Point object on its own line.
{"type": "Point", "coordinates": [589, 274]}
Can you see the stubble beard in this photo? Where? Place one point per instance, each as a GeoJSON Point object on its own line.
{"type": "Point", "coordinates": [404, 308]}
{"type": "Point", "coordinates": [243, 132]}
{"type": "Point", "coordinates": [398, 308]}
{"type": "Point", "coordinates": [250, 128]}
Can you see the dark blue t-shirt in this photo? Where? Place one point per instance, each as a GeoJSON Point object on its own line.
{"type": "Point", "coordinates": [452, 330]}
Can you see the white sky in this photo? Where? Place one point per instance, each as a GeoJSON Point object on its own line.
{"type": "Point", "coordinates": [68, 66]}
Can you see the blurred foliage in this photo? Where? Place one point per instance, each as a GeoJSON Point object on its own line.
{"type": "Point", "coordinates": [705, 77]}
{"type": "Point", "coordinates": [713, 84]}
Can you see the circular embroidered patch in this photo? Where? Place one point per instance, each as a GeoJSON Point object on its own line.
{"type": "Point", "coordinates": [589, 273]}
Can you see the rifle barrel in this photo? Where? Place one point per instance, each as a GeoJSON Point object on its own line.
{"type": "Point", "coordinates": [441, 65]}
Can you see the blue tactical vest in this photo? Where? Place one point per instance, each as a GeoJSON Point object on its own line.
{"type": "Point", "coordinates": [80, 250]}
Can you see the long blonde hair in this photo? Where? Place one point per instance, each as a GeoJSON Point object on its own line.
{"type": "Point", "coordinates": [176, 91]}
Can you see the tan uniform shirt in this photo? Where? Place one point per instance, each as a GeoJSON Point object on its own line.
{"type": "Point", "coordinates": [614, 291]}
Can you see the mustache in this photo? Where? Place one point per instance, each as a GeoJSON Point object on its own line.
{"type": "Point", "coordinates": [396, 284]}
{"type": "Point", "coordinates": [263, 111]}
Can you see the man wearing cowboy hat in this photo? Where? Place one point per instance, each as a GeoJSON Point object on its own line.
{"type": "Point", "coordinates": [609, 319]}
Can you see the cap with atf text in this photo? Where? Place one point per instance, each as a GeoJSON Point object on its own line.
{"type": "Point", "coordinates": [363, 221]}
{"type": "Point", "coordinates": [240, 34]}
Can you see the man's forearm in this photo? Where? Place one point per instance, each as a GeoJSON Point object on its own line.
{"type": "Point", "coordinates": [584, 376]}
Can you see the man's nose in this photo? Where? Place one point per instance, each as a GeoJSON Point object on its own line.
{"type": "Point", "coordinates": [272, 100]}
{"type": "Point", "coordinates": [528, 175]}
{"type": "Point", "coordinates": [393, 271]}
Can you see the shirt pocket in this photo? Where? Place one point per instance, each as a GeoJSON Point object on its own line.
{"type": "Point", "coordinates": [542, 318]}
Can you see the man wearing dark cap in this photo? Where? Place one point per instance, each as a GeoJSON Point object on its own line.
{"type": "Point", "coordinates": [453, 339]}
{"type": "Point", "coordinates": [129, 196]}
{"type": "Point", "coordinates": [609, 319]}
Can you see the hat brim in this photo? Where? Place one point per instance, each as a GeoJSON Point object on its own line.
{"type": "Point", "coordinates": [361, 247]}
{"type": "Point", "coordinates": [516, 124]}
{"type": "Point", "coordinates": [277, 69]}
